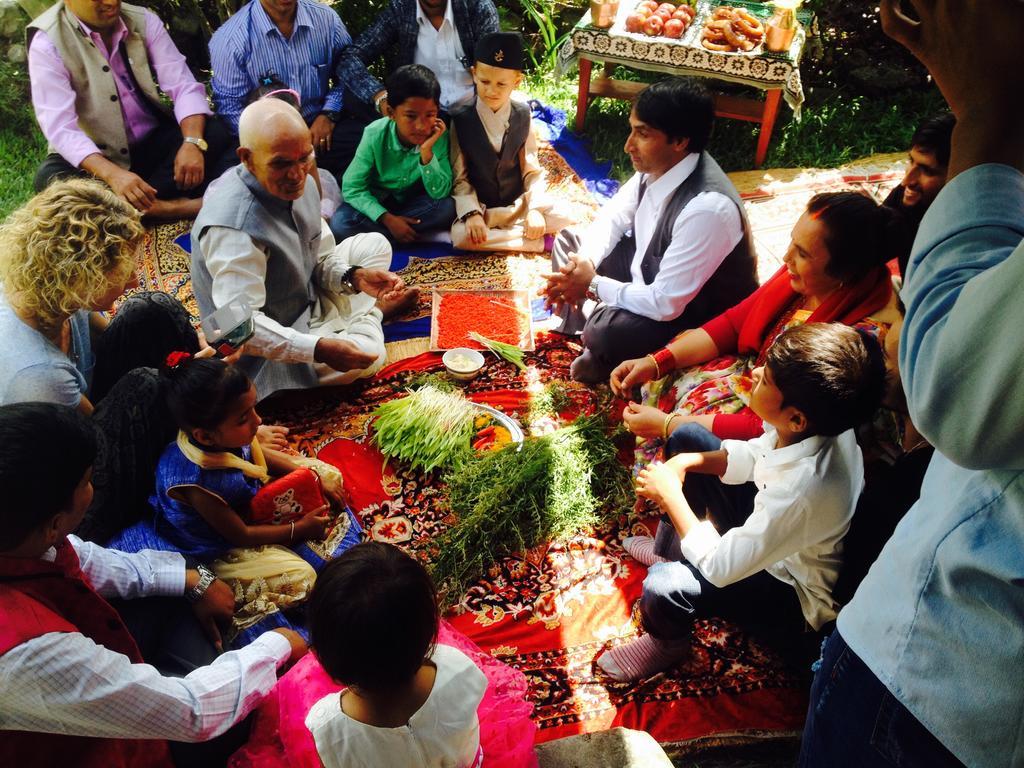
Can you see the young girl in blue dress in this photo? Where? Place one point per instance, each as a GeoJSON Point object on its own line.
{"type": "Point", "coordinates": [206, 480]}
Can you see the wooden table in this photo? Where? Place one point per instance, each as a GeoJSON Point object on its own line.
{"type": "Point", "coordinates": [778, 75]}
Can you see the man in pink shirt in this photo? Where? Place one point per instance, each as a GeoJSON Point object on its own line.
{"type": "Point", "coordinates": [95, 67]}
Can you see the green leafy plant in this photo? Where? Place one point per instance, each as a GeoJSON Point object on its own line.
{"type": "Point", "coordinates": [508, 352]}
{"type": "Point", "coordinates": [427, 428]}
{"type": "Point", "coordinates": [548, 489]}
{"type": "Point", "coordinates": [544, 16]}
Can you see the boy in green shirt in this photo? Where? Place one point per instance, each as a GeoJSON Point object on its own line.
{"type": "Point", "coordinates": [400, 181]}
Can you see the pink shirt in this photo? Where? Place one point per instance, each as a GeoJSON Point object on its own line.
{"type": "Point", "coordinates": [53, 97]}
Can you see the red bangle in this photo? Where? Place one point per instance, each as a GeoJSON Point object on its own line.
{"type": "Point", "coordinates": [665, 360]}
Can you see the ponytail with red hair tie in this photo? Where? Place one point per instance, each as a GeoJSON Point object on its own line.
{"type": "Point", "coordinates": [174, 359]}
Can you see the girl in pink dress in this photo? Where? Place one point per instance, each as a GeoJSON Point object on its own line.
{"type": "Point", "coordinates": [387, 683]}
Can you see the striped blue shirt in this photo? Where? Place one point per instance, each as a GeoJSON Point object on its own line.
{"type": "Point", "coordinates": [249, 47]}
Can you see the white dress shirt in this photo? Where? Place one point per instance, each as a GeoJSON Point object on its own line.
{"type": "Point", "coordinates": [238, 268]}
{"type": "Point", "coordinates": [443, 732]}
{"type": "Point", "coordinates": [806, 495]}
{"type": "Point", "coordinates": [63, 682]}
{"type": "Point", "coordinates": [704, 233]}
{"type": "Point", "coordinates": [440, 50]}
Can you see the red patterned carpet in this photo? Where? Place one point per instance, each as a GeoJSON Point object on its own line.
{"type": "Point", "coordinates": [550, 611]}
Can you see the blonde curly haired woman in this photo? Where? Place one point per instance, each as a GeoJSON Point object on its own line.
{"type": "Point", "coordinates": [65, 257]}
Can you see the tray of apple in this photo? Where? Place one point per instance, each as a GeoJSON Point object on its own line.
{"type": "Point", "coordinates": [666, 20]}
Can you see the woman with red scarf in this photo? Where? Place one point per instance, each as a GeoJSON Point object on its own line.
{"type": "Point", "coordinates": [833, 271]}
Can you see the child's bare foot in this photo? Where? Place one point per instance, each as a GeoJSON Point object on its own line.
{"type": "Point", "coordinates": [641, 548]}
{"type": "Point", "coordinates": [639, 658]}
{"type": "Point", "coordinates": [398, 302]}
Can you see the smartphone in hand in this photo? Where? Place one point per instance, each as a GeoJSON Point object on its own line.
{"type": "Point", "coordinates": [229, 327]}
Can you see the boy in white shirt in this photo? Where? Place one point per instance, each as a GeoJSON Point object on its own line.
{"type": "Point", "coordinates": [762, 545]}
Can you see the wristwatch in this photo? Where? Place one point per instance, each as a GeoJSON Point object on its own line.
{"type": "Point", "coordinates": [206, 577]}
{"type": "Point", "coordinates": [592, 289]}
{"type": "Point", "coordinates": [331, 114]}
{"type": "Point", "coordinates": [347, 282]}
{"type": "Point", "coordinates": [198, 141]}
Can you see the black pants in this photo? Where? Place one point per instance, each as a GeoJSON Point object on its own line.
{"type": "Point", "coordinates": [172, 640]}
{"type": "Point", "coordinates": [344, 140]}
{"type": "Point", "coordinates": [610, 334]}
{"type": "Point", "coordinates": [153, 160]}
{"type": "Point", "coordinates": [675, 593]}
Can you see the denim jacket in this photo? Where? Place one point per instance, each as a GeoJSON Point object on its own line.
{"type": "Point", "coordinates": [940, 616]}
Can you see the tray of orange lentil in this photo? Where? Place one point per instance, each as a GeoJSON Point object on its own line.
{"type": "Point", "coordinates": [499, 315]}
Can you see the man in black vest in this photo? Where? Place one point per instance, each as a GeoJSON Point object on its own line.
{"type": "Point", "coordinates": [670, 251]}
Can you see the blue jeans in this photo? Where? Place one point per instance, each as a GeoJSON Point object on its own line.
{"type": "Point", "coordinates": [676, 593]}
{"type": "Point", "coordinates": [854, 721]}
{"type": "Point", "coordinates": [433, 215]}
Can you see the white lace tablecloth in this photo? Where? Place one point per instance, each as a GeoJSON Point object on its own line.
{"type": "Point", "coordinates": [687, 56]}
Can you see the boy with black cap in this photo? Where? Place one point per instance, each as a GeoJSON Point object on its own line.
{"type": "Point", "coordinates": [499, 185]}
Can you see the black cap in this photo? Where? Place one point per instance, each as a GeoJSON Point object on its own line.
{"type": "Point", "coordinates": [500, 49]}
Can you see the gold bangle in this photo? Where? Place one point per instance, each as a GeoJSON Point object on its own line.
{"type": "Point", "coordinates": [657, 367]}
{"type": "Point", "coordinates": [665, 426]}
{"type": "Point", "coordinates": [291, 535]}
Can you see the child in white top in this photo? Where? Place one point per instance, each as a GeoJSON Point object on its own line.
{"type": "Point", "coordinates": [408, 702]}
{"type": "Point", "coordinates": [768, 550]}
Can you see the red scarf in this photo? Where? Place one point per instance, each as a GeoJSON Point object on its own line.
{"type": "Point", "coordinates": [848, 304]}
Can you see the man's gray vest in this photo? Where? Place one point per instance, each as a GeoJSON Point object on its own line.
{"type": "Point", "coordinates": [289, 233]}
{"type": "Point", "coordinates": [496, 176]}
{"type": "Point", "coordinates": [96, 99]}
{"type": "Point", "coordinates": [736, 276]}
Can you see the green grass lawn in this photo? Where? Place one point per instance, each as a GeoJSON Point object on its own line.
{"type": "Point", "coordinates": [21, 150]}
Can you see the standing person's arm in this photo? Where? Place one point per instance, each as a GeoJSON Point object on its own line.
{"type": "Point", "coordinates": [958, 353]}
{"type": "Point", "coordinates": [960, 356]}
